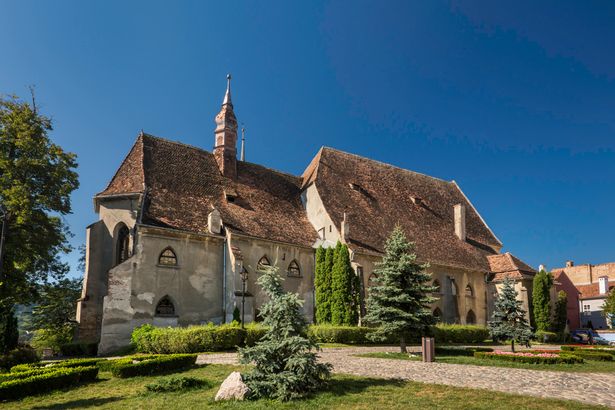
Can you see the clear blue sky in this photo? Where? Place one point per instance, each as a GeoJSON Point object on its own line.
{"type": "Point", "coordinates": [515, 101]}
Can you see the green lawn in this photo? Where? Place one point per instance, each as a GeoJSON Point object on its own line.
{"type": "Point", "coordinates": [589, 366]}
{"type": "Point", "coordinates": [344, 392]}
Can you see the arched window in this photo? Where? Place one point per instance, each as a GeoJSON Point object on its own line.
{"type": "Point", "coordinates": [167, 257]}
{"type": "Point", "coordinates": [437, 314]}
{"type": "Point", "coordinates": [470, 318]}
{"type": "Point", "coordinates": [371, 280]}
{"type": "Point", "coordinates": [437, 286]}
{"type": "Point", "coordinates": [469, 290]}
{"type": "Point", "coordinates": [165, 307]}
{"type": "Point", "coordinates": [293, 269]}
{"type": "Point", "coordinates": [123, 238]}
{"type": "Point", "coordinates": [263, 262]}
{"type": "Point", "coordinates": [453, 287]}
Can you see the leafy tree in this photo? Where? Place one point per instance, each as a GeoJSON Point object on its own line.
{"type": "Point", "coordinates": [541, 300]}
{"type": "Point", "coordinates": [608, 309]}
{"type": "Point", "coordinates": [399, 300]}
{"type": "Point", "coordinates": [322, 285]}
{"type": "Point", "coordinates": [561, 313]}
{"type": "Point", "coordinates": [285, 364]}
{"type": "Point", "coordinates": [509, 320]}
{"type": "Point", "coordinates": [57, 305]}
{"type": "Point", "coordinates": [9, 334]}
{"type": "Point", "coordinates": [344, 306]}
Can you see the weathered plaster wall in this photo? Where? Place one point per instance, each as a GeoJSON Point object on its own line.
{"type": "Point", "coordinates": [318, 216]}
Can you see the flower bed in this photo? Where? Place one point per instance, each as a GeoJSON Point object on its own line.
{"type": "Point", "coordinates": [529, 357]}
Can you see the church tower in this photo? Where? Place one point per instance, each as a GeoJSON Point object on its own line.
{"type": "Point", "coordinates": [225, 148]}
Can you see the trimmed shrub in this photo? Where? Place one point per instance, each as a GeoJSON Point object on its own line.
{"type": "Point", "coordinates": [254, 333]}
{"type": "Point", "coordinates": [23, 354]}
{"type": "Point", "coordinates": [340, 334]}
{"type": "Point", "coordinates": [193, 339]}
{"type": "Point", "coordinates": [546, 337]}
{"type": "Point", "coordinates": [130, 368]}
{"type": "Point", "coordinates": [596, 356]}
{"type": "Point", "coordinates": [460, 333]}
{"type": "Point", "coordinates": [589, 349]}
{"type": "Point", "coordinates": [560, 359]}
{"type": "Point", "coordinates": [455, 351]}
{"type": "Point", "coordinates": [45, 381]}
{"type": "Point", "coordinates": [79, 349]}
{"type": "Point", "coordinates": [62, 363]}
{"type": "Point", "coordinates": [176, 383]}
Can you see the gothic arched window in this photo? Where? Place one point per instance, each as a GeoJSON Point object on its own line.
{"type": "Point", "coordinates": [470, 318]}
{"type": "Point", "coordinates": [123, 240]}
{"type": "Point", "coordinates": [165, 307]}
{"type": "Point", "coordinates": [167, 257]}
{"type": "Point", "coordinates": [293, 269]}
{"type": "Point", "coordinates": [436, 284]}
{"type": "Point", "coordinates": [469, 290]}
{"type": "Point", "coordinates": [263, 262]}
{"type": "Point", "coordinates": [437, 313]}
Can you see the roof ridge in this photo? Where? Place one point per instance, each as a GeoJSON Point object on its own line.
{"type": "Point", "coordinates": [476, 212]}
{"type": "Point", "coordinates": [117, 171]}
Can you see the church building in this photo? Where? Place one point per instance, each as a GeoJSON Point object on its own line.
{"type": "Point", "coordinates": [180, 227]}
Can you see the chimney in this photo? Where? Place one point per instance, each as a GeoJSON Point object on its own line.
{"type": "Point", "coordinates": [569, 264]}
{"type": "Point", "coordinates": [460, 221]}
{"type": "Point", "coordinates": [345, 229]}
{"type": "Point", "coordinates": [225, 148]}
{"type": "Point", "coordinates": [603, 285]}
{"type": "Point", "coordinates": [214, 222]}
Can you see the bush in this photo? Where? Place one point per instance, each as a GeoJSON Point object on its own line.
{"type": "Point", "coordinates": [587, 348]}
{"type": "Point", "coordinates": [128, 368]}
{"type": "Point", "coordinates": [460, 333]}
{"type": "Point", "coordinates": [254, 333]}
{"type": "Point", "coordinates": [455, 351]}
{"type": "Point", "coordinates": [53, 338]}
{"type": "Point", "coordinates": [561, 359]}
{"type": "Point", "coordinates": [193, 339]}
{"type": "Point", "coordinates": [591, 355]}
{"type": "Point", "coordinates": [176, 383]}
{"type": "Point", "coordinates": [340, 334]}
{"type": "Point", "coordinates": [58, 364]}
{"type": "Point", "coordinates": [45, 381]}
{"type": "Point", "coordinates": [79, 349]}
{"type": "Point", "coordinates": [23, 354]}
{"type": "Point", "coordinates": [543, 336]}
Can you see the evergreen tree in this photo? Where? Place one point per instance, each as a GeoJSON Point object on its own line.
{"type": "Point", "coordinates": [399, 301]}
{"type": "Point", "coordinates": [322, 287]}
{"type": "Point", "coordinates": [608, 309]}
{"type": "Point", "coordinates": [509, 320]}
{"type": "Point", "coordinates": [343, 307]}
{"type": "Point", "coordinates": [541, 300]}
{"type": "Point", "coordinates": [561, 313]}
{"type": "Point", "coordinates": [9, 333]}
{"type": "Point", "coordinates": [285, 364]}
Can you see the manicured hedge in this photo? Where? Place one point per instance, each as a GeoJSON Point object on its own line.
{"type": "Point", "coordinates": [130, 367]}
{"type": "Point", "coordinates": [42, 382]}
{"type": "Point", "coordinates": [340, 334]}
{"type": "Point", "coordinates": [546, 337]}
{"type": "Point", "coordinates": [588, 349]}
{"type": "Point", "coordinates": [455, 351]}
{"type": "Point", "coordinates": [79, 349]}
{"type": "Point", "coordinates": [460, 333]}
{"type": "Point", "coordinates": [62, 363]}
{"type": "Point", "coordinates": [561, 359]}
{"type": "Point", "coordinates": [590, 355]}
{"type": "Point", "coordinates": [193, 339]}
{"type": "Point", "coordinates": [253, 333]}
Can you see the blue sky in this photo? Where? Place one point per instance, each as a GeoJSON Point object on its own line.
{"type": "Point", "coordinates": [513, 100]}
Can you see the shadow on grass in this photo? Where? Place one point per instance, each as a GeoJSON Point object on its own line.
{"type": "Point", "coordinates": [345, 386]}
{"type": "Point", "coordinates": [79, 404]}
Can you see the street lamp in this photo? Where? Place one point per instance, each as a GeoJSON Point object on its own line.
{"type": "Point", "coordinates": [244, 279]}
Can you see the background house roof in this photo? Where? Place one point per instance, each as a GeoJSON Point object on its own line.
{"type": "Point", "coordinates": [506, 265]}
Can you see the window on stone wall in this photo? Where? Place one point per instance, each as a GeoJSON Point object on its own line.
{"type": "Point", "coordinates": [436, 284]}
{"type": "Point", "coordinates": [453, 287]}
{"type": "Point", "coordinates": [437, 314]}
{"type": "Point", "coordinates": [165, 307]}
{"type": "Point", "coordinates": [167, 257]}
{"type": "Point", "coordinates": [123, 239]}
{"type": "Point", "coordinates": [293, 269]}
{"type": "Point", "coordinates": [469, 290]}
{"type": "Point", "coordinates": [471, 318]}
{"type": "Point", "coordinates": [262, 262]}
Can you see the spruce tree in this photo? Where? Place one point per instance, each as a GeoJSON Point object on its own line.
{"type": "Point", "coordinates": [561, 313]}
{"type": "Point", "coordinates": [285, 362]}
{"type": "Point", "coordinates": [399, 301]}
{"type": "Point", "coordinates": [322, 287]}
{"type": "Point", "coordinates": [343, 306]}
{"type": "Point", "coordinates": [541, 300]}
{"type": "Point", "coordinates": [509, 321]}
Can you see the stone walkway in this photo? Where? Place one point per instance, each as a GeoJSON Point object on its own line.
{"type": "Point", "coordinates": [593, 388]}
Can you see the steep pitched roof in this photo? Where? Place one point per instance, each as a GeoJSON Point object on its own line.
{"type": "Point", "coordinates": [506, 265]}
{"type": "Point", "coordinates": [184, 184]}
{"type": "Point", "coordinates": [377, 196]}
{"type": "Point", "coordinates": [592, 291]}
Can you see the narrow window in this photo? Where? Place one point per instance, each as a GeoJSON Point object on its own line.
{"type": "Point", "coordinates": [263, 262]}
{"type": "Point", "coordinates": [123, 238]}
{"type": "Point", "coordinates": [293, 269]}
{"type": "Point", "coordinates": [436, 285]}
{"type": "Point", "coordinates": [167, 257]}
{"type": "Point", "coordinates": [469, 291]}
{"type": "Point", "coordinates": [165, 307]}
{"type": "Point", "coordinates": [471, 318]}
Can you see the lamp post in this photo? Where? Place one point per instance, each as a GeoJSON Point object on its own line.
{"type": "Point", "coordinates": [244, 279]}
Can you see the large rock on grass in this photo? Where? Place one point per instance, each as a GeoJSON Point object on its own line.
{"type": "Point", "coordinates": [233, 388]}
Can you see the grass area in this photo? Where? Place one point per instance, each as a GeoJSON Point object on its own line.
{"type": "Point", "coordinates": [590, 366]}
{"type": "Point", "coordinates": [345, 392]}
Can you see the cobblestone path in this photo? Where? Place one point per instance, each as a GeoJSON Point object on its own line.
{"type": "Point", "coordinates": [594, 388]}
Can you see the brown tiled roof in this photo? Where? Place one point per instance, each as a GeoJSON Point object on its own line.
{"type": "Point", "coordinates": [184, 183]}
{"type": "Point", "coordinates": [506, 265]}
{"type": "Point", "coordinates": [377, 196]}
{"type": "Point", "coordinates": [591, 291]}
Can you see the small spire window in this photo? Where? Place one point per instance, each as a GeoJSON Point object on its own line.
{"type": "Point", "coordinates": [469, 290]}
{"type": "Point", "coordinates": [293, 269]}
{"type": "Point", "coordinates": [167, 258]}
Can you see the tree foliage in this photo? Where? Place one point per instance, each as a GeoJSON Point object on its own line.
{"type": "Point", "coordinates": [322, 287]}
{"type": "Point", "coordinates": [9, 334]}
{"type": "Point", "coordinates": [399, 300]}
{"type": "Point", "coordinates": [56, 307]}
{"type": "Point", "coordinates": [344, 289]}
{"type": "Point", "coordinates": [509, 321]}
{"type": "Point", "coordinates": [561, 313]}
{"type": "Point", "coordinates": [36, 180]}
{"type": "Point", "coordinates": [608, 309]}
{"type": "Point", "coordinates": [541, 300]}
{"type": "Point", "coordinates": [285, 362]}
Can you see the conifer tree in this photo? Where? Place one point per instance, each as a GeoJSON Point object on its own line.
{"type": "Point", "coordinates": [285, 362]}
{"type": "Point", "coordinates": [399, 301]}
{"type": "Point", "coordinates": [322, 287]}
{"type": "Point", "coordinates": [608, 309]}
{"type": "Point", "coordinates": [561, 313]}
{"type": "Point", "coordinates": [509, 321]}
{"type": "Point", "coordinates": [343, 306]}
{"type": "Point", "coordinates": [541, 300]}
